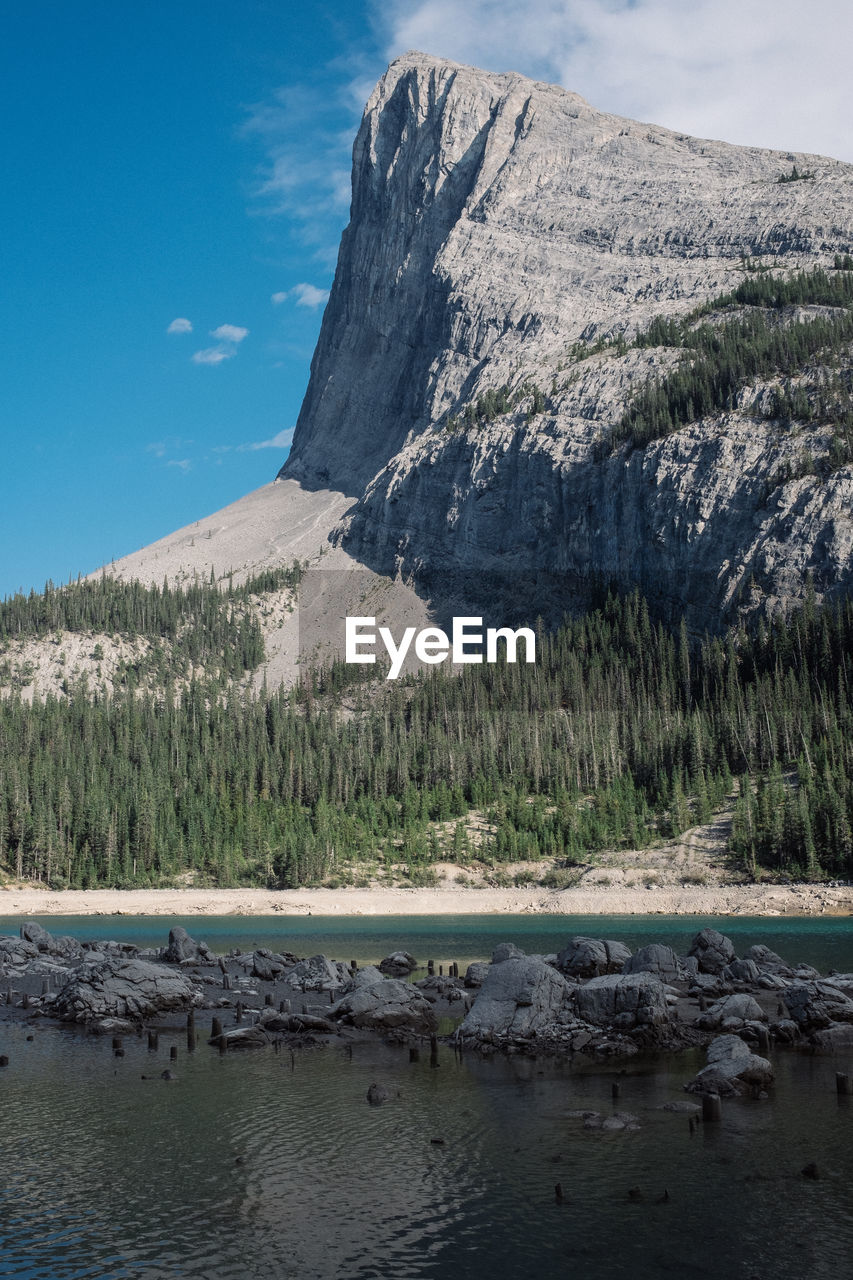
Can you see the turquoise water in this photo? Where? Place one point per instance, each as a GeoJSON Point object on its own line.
{"type": "Point", "coordinates": [826, 942]}
{"type": "Point", "coordinates": [272, 1164]}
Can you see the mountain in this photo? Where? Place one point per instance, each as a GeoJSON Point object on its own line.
{"type": "Point", "coordinates": [465, 419]}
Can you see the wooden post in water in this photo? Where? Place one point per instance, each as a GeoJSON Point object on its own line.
{"type": "Point", "coordinates": [238, 1014]}
{"type": "Point", "coordinates": [558, 1193]}
{"type": "Point", "coordinates": [431, 967]}
{"type": "Point", "coordinates": [843, 1084]}
{"type": "Point", "coordinates": [414, 1055]}
{"type": "Point", "coordinates": [712, 1108]}
{"type": "Point", "coordinates": [153, 1040]}
{"type": "Point", "coordinates": [173, 1053]}
{"type": "Point", "coordinates": [433, 1051]}
{"type": "Point", "coordinates": [268, 999]}
{"type": "Point", "coordinates": [215, 1029]}
{"type": "Point", "coordinates": [614, 1090]}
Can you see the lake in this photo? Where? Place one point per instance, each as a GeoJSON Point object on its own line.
{"type": "Point", "coordinates": [272, 1164]}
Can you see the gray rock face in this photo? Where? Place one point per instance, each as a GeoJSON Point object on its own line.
{"type": "Point", "coordinates": [475, 974]}
{"type": "Point", "coordinates": [815, 1006]}
{"type": "Point", "coordinates": [712, 950]}
{"type": "Point", "coordinates": [496, 221]}
{"type": "Point", "coordinates": [522, 998]}
{"type": "Point", "coordinates": [317, 974]}
{"type": "Point", "coordinates": [735, 1008]}
{"type": "Point", "coordinates": [123, 988]}
{"type": "Point", "coordinates": [732, 1068]}
{"type": "Point", "coordinates": [657, 959]}
{"type": "Point", "coordinates": [389, 1004]}
{"type": "Point", "coordinates": [398, 965]}
{"type": "Point", "coordinates": [589, 957]}
{"type": "Point", "coordinates": [623, 1001]}
{"type": "Point", "coordinates": [183, 949]}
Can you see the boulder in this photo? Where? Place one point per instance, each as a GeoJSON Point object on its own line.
{"type": "Point", "coordinates": [732, 1069]}
{"type": "Point", "coordinates": [266, 966]}
{"type": "Point", "coordinates": [389, 1004]}
{"type": "Point", "coordinates": [522, 997]}
{"type": "Point", "coordinates": [475, 974]}
{"type": "Point", "coordinates": [657, 959]}
{"type": "Point", "coordinates": [377, 1094]}
{"type": "Point", "coordinates": [32, 932]}
{"type": "Point", "coordinates": [123, 987]}
{"type": "Point", "coordinates": [745, 971]}
{"type": "Point", "coordinates": [735, 1010]}
{"type": "Point", "coordinates": [712, 950]}
{"type": "Point", "coordinates": [318, 974]}
{"type": "Point", "coordinates": [623, 1001]}
{"type": "Point", "coordinates": [589, 957]}
{"type": "Point", "coordinates": [768, 961]}
{"type": "Point", "coordinates": [398, 965]}
{"type": "Point", "coordinates": [506, 951]}
{"type": "Point", "coordinates": [815, 1006]}
{"type": "Point", "coordinates": [183, 949]}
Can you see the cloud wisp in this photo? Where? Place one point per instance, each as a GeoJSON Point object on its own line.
{"type": "Point", "coordinates": [230, 333]}
{"type": "Point", "coordinates": [306, 295]}
{"type": "Point", "coordinates": [180, 325]}
{"type": "Point", "coordinates": [229, 338]}
{"type": "Point", "coordinates": [282, 440]}
{"type": "Point", "coordinates": [762, 74]}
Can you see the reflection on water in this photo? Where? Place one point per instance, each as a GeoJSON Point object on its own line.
{"type": "Point", "coordinates": [273, 1164]}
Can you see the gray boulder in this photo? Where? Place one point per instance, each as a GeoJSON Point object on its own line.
{"type": "Point", "coordinates": [318, 974]}
{"type": "Point", "coordinates": [183, 949]}
{"type": "Point", "coordinates": [745, 971]}
{"type": "Point", "coordinates": [266, 966]}
{"type": "Point", "coordinates": [734, 1009]}
{"type": "Point", "coordinates": [389, 1004]}
{"type": "Point", "coordinates": [657, 959]}
{"type": "Point", "coordinates": [506, 951]}
{"type": "Point", "coordinates": [398, 965]}
{"type": "Point", "coordinates": [475, 974]}
{"type": "Point", "coordinates": [623, 1001]}
{"type": "Point", "coordinates": [123, 987]}
{"type": "Point", "coordinates": [38, 936]}
{"type": "Point", "coordinates": [768, 961]}
{"type": "Point", "coordinates": [814, 1006]}
{"type": "Point", "coordinates": [589, 957]}
{"type": "Point", "coordinates": [732, 1068]}
{"type": "Point", "coordinates": [521, 998]}
{"type": "Point", "coordinates": [712, 950]}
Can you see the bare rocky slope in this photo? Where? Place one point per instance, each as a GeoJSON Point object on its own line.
{"type": "Point", "coordinates": [497, 226]}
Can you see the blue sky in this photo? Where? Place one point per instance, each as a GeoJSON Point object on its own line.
{"type": "Point", "coordinates": [189, 161]}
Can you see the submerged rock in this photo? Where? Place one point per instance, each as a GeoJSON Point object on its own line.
{"type": "Point", "coordinates": [318, 974]}
{"type": "Point", "coordinates": [732, 1068]}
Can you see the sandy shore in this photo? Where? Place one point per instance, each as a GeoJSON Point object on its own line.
{"type": "Point", "coordinates": [716, 900]}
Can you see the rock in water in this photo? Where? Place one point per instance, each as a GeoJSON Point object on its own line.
{"type": "Point", "coordinates": [522, 997]}
{"type": "Point", "coordinates": [589, 957]}
{"type": "Point", "coordinates": [119, 987]}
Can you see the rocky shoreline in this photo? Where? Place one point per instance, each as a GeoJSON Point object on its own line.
{"type": "Point", "coordinates": [594, 998]}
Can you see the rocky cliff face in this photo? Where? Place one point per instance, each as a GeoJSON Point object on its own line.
{"type": "Point", "coordinates": [495, 223]}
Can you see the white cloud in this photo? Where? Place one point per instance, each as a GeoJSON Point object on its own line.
{"type": "Point", "coordinates": [282, 440]}
{"type": "Point", "coordinates": [180, 325]}
{"type": "Point", "coordinates": [306, 295]}
{"type": "Point", "coordinates": [213, 355]}
{"type": "Point", "coordinates": [767, 73]}
{"type": "Point", "coordinates": [229, 333]}
{"type": "Point", "coordinates": [183, 464]}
